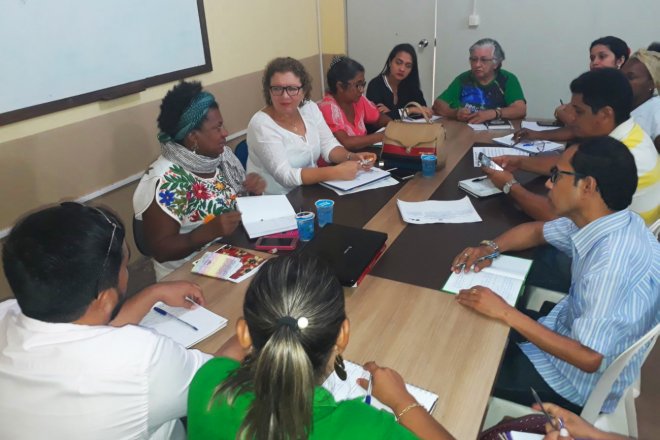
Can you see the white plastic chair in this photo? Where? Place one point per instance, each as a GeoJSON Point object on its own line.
{"type": "Point", "coordinates": [623, 420]}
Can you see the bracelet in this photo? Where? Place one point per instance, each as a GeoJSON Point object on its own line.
{"type": "Point", "coordinates": [406, 409]}
{"type": "Point", "coordinates": [498, 113]}
{"type": "Point", "coordinates": [491, 244]}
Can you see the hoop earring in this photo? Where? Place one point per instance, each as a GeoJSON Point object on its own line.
{"type": "Point", "coordinates": [195, 148]}
{"type": "Point", "coordinates": [340, 368]}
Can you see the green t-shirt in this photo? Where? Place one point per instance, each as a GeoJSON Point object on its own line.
{"type": "Point", "coordinates": [465, 90]}
{"type": "Point", "coordinates": [332, 420]}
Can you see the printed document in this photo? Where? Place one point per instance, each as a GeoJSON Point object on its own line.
{"type": "Point", "coordinates": [434, 211]}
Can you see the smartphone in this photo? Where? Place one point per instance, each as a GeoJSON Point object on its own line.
{"type": "Point", "coordinates": [549, 124]}
{"type": "Point", "coordinates": [498, 122]}
{"type": "Point", "coordinates": [486, 161]}
{"type": "Point", "coordinates": [285, 241]}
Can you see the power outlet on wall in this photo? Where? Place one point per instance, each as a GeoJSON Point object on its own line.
{"type": "Point", "coordinates": [473, 20]}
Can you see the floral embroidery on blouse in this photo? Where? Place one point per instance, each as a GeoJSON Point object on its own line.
{"type": "Point", "coordinates": [193, 199]}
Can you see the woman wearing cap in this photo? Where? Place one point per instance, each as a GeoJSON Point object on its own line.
{"type": "Point", "coordinates": [186, 198]}
{"type": "Point", "coordinates": [291, 337]}
{"type": "Point", "coordinates": [288, 136]}
{"type": "Point", "coordinates": [643, 72]}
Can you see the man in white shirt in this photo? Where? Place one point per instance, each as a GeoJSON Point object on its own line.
{"type": "Point", "coordinates": [72, 364]}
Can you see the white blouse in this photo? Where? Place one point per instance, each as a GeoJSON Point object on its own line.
{"type": "Point", "coordinates": [647, 116]}
{"type": "Point", "coordinates": [279, 155]}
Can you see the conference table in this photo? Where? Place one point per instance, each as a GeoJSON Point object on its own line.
{"type": "Point", "coordinates": [399, 317]}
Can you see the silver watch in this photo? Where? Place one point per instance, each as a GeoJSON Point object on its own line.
{"type": "Point", "coordinates": [507, 186]}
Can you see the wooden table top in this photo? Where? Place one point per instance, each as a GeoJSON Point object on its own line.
{"type": "Point", "coordinates": [420, 332]}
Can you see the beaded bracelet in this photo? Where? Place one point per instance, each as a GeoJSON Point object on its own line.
{"type": "Point", "coordinates": [406, 409]}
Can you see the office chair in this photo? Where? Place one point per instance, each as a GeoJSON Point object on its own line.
{"type": "Point", "coordinates": [241, 151]}
{"type": "Point", "coordinates": [623, 420]}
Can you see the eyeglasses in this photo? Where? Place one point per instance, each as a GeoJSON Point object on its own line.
{"type": "Point", "coordinates": [358, 85]}
{"type": "Point", "coordinates": [482, 60]}
{"type": "Point", "coordinates": [555, 172]}
{"type": "Point", "coordinates": [290, 90]}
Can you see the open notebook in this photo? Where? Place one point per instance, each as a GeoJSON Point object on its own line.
{"type": "Point", "coordinates": [506, 277]}
{"type": "Point", "coordinates": [349, 389]}
{"type": "Point", "coordinates": [206, 321]}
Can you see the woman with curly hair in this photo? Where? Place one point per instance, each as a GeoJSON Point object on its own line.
{"type": "Point", "coordinates": [187, 197]}
{"type": "Point", "coordinates": [288, 136]}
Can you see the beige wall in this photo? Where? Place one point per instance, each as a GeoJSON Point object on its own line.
{"type": "Point", "coordinates": [72, 153]}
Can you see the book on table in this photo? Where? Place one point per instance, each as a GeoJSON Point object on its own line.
{"type": "Point", "coordinates": [532, 147]}
{"type": "Point", "coordinates": [264, 215]}
{"type": "Point", "coordinates": [349, 389]}
{"type": "Point", "coordinates": [506, 277]}
{"type": "Point", "coordinates": [228, 263]}
{"type": "Point", "coordinates": [206, 322]}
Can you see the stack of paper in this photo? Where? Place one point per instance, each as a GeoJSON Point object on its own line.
{"type": "Point", "coordinates": [349, 389]}
{"type": "Point", "coordinates": [506, 277]}
{"type": "Point", "coordinates": [264, 215]}
{"type": "Point", "coordinates": [203, 319]}
{"type": "Point", "coordinates": [388, 181]}
{"type": "Point", "coordinates": [494, 152]}
{"type": "Point", "coordinates": [364, 177]}
{"type": "Point", "coordinates": [533, 147]}
{"type": "Point", "coordinates": [432, 211]}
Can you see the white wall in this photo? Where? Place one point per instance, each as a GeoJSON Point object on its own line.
{"type": "Point", "coordinates": [546, 42]}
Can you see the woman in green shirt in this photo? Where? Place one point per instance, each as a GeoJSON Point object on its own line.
{"type": "Point", "coordinates": [484, 92]}
{"type": "Point", "coordinates": [292, 335]}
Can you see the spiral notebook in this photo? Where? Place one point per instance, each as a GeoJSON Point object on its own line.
{"type": "Point", "coordinates": [349, 389]}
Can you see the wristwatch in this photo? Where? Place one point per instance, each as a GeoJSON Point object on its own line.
{"type": "Point", "coordinates": [507, 186]}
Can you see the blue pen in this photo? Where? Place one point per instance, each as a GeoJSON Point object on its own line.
{"type": "Point", "coordinates": [487, 257]}
{"type": "Point", "coordinates": [166, 313]}
{"type": "Point", "coordinates": [367, 398]}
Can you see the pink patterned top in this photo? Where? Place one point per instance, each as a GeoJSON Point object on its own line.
{"type": "Point", "coordinates": [365, 112]}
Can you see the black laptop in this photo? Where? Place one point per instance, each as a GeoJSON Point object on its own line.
{"type": "Point", "coordinates": [351, 252]}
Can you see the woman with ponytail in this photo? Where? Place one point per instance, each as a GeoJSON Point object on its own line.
{"type": "Point", "coordinates": [290, 339]}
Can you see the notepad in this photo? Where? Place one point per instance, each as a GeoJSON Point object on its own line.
{"type": "Point", "coordinates": [349, 389]}
{"type": "Point", "coordinates": [364, 177]}
{"type": "Point", "coordinates": [479, 187]}
{"type": "Point", "coordinates": [506, 277]}
{"type": "Point", "coordinates": [206, 321]}
{"type": "Point", "coordinates": [264, 215]}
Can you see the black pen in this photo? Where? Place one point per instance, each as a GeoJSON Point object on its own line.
{"type": "Point", "coordinates": [479, 179]}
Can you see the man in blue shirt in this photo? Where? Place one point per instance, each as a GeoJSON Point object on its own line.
{"type": "Point", "coordinates": [614, 298]}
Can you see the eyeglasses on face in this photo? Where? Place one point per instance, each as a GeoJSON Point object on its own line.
{"type": "Point", "coordinates": [290, 90]}
{"type": "Point", "coordinates": [361, 85]}
{"type": "Point", "coordinates": [482, 60]}
{"type": "Point", "coordinates": [555, 172]}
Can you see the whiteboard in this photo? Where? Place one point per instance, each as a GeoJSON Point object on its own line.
{"type": "Point", "coordinates": [58, 49]}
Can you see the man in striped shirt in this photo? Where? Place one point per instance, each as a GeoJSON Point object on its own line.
{"type": "Point", "coordinates": [614, 298]}
{"type": "Point", "coordinates": [602, 100]}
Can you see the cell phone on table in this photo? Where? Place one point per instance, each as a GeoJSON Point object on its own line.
{"type": "Point", "coordinates": [486, 161]}
{"type": "Point", "coordinates": [286, 241]}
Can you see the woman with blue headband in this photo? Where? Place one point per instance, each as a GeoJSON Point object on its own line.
{"type": "Point", "coordinates": [187, 197]}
